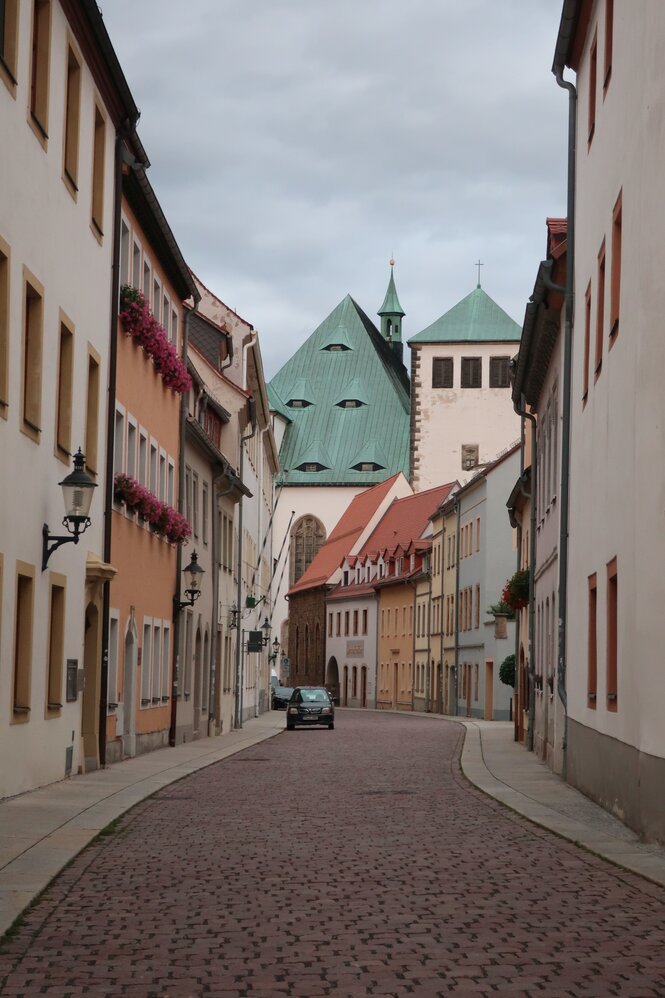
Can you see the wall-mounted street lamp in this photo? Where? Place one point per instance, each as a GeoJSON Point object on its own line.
{"type": "Point", "coordinates": [77, 491]}
{"type": "Point", "coordinates": [266, 628]}
{"type": "Point", "coordinates": [272, 657]}
{"type": "Point", "coordinates": [192, 573]}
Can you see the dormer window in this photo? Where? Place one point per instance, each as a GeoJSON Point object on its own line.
{"type": "Point", "coordinates": [367, 466]}
{"type": "Point", "coordinates": [336, 347]}
{"type": "Point", "coordinates": [298, 403]}
{"type": "Point", "coordinates": [350, 404]}
{"type": "Point", "coordinates": [311, 466]}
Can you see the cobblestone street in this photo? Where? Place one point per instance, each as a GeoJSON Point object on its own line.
{"type": "Point", "coordinates": [347, 863]}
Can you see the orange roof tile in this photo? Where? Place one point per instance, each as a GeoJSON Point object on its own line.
{"type": "Point", "coordinates": [348, 529]}
{"type": "Point", "coordinates": [405, 520]}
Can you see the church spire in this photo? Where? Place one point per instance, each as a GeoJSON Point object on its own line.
{"type": "Point", "coordinates": [392, 313]}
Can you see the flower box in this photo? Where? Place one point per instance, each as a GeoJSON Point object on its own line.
{"type": "Point", "coordinates": [162, 518]}
{"type": "Point", "coordinates": [139, 323]}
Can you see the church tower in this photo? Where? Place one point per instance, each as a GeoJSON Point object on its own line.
{"type": "Point", "coordinates": [391, 313]}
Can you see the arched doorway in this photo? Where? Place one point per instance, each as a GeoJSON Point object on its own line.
{"type": "Point", "coordinates": [129, 690]}
{"type": "Point", "coordinates": [197, 682]}
{"type": "Point", "coordinates": [332, 678]}
{"type": "Point", "coordinates": [91, 690]}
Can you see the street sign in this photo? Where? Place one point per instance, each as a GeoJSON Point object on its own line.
{"type": "Point", "coordinates": [255, 641]}
{"type": "Point", "coordinates": [285, 662]}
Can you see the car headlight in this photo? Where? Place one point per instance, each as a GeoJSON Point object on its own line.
{"type": "Point", "coordinates": [293, 710]}
{"type": "Point", "coordinates": [325, 710]}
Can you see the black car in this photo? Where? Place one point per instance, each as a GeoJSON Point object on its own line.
{"type": "Point", "coordinates": [281, 696]}
{"type": "Point", "coordinates": [310, 705]}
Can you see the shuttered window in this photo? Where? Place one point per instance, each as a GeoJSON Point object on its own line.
{"type": "Point", "coordinates": [499, 372]}
{"type": "Point", "coordinates": [472, 372]}
{"type": "Point", "coordinates": [442, 372]}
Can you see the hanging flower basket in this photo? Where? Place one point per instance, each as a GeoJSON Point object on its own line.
{"type": "Point", "coordinates": [139, 323]}
{"type": "Point", "coordinates": [162, 518]}
{"type": "Point", "coordinates": [516, 590]}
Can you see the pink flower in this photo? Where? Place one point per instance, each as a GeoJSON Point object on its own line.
{"type": "Point", "coordinates": [164, 520]}
{"type": "Point", "coordinates": [139, 322]}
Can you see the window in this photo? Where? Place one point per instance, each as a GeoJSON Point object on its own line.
{"type": "Point", "coordinates": [56, 645]}
{"type": "Point", "coordinates": [307, 537]}
{"type": "Point", "coordinates": [119, 442]}
{"type": "Point", "coordinates": [32, 356]}
{"type": "Point", "coordinates": [63, 416]}
{"type": "Point", "coordinates": [72, 123]}
{"type": "Point", "coordinates": [364, 621]}
{"type": "Point", "coordinates": [600, 309]}
{"type": "Point", "coordinates": [338, 623]}
{"type": "Point", "coordinates": [442, 372]}
{"type": "Point", "coordinates": [152, 479]}
{"type": "Point", "coordinates": [346, 623]}
{"type": "Point", "coordinates": [166, 313]}
{"type": "Point", "coordinates": [477, 617]}
{"type": "Point", "coordinates": [146, 280]}
{"type": "Point", "coordinates": [615, 276]}
{"type": "Point", "coordinates": [161, 485]}
{"type": "Point", "coordinates": [478, 534]}
{"type": "Point", "coordinates": [472, 372]}
{"type": "Point", "coordinates": [367, 466]}
{"type": "Point", "coordinates": [499, 372]}
{"type": "Point", "coordinates": [174, 326]}
{"type": "Point", "coordinates": [39, 67]}
{"type": "Point", "coordinates": [156, 664]}
{"type": "Point", "coordinates": [311, 466]}
{"type": "Point", "coordinates": [146, 658]}
{"type": "Point", "coordinates": [355, 621]}
{"type": "Point", "coordinates": [336, 347]}
{"type": "Point", "coordinates": [112, 673]}
{"type": "Point", "coordinates": [8, 42]}
{"type": "Point", "coordinates": [204, 512]}
{"type": "Point", "coordinates": [350, 404]}
{"type": "Point", "coordinates": [592, 646]}
{"type": "Point", "coordinates": [23, 641]}
{"type": "Point", "coordinates": [92, 412]}
{"type": "Point", "coordinates": [98, 158]}
{"type": "Point", "coordinates": [298, 403]}
{"type": "Point", "coordinates": [330, 625]}
{"type": "Point", "coordinates": [470, 455]}
{"type": "Point", "coordinates": [609, 32]}
{"type": "Point", "coordinates": [166, 655]}
{"type": "Point", "coordinates": [156, 300]}
{"type": "Point", "coordinates": [130, 462]}
{"type": "Point", "coordinates": [4, 327]}
{"type": "Point", "coordinates": [170, 483]}
{"type": "Point", "coordinates": [612, 636]}
{"type": "Point", "coordinates": [136, 266]}
{"type": "Point", "coordinates": [587, 340]}
{"type": "Point", "coordinates": [593, 72]}
{"type": "Point", "coordinates": [124, 253]}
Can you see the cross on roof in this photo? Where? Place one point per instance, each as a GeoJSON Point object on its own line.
{"type": "Point", "coordinates": [478, 264]}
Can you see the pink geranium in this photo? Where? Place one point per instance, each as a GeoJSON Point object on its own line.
{"type": "Point", "coordinates": [163, 519]}
{"type": "Point", "coordinates": [139, 323]}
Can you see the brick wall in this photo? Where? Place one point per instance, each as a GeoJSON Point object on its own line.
{"type": "Point", "coordinates": [307, 637]}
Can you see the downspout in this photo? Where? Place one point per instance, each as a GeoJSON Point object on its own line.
{"type": "Point", "coordinates": [121, 135]}
{"type": "Point", "coordinates": [177, 612]}
{"type": "Point", "coordinates": [239, 635]}
{"type": "Point", "coordinates": [521, 410]}
{"type": "Point", "coordinates": [428, 606]}
{"type": "Point", "coordinates": [213, 686]}
{"type": "Point", "coordinates": [567, 378]}
{"type": "Point", "coordinates": [456, 609]}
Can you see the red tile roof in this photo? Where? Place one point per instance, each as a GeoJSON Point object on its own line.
{"type": "Point", "coordinates": [345, 534]}
{"type": "Point", "coordinates": [405, 520]}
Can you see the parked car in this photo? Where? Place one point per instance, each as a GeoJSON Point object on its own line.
{"type": "Point", "coordinates": [281, 696]}
{"type": "Point", "coordinates": [310, 705]}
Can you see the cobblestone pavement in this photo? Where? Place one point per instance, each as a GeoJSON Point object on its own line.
{"type": "Point", "coordinates": [347, 863]}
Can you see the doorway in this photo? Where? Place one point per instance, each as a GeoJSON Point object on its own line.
{"type": "Point", "coordinates": [489, 689]}
{"type": "Point", "coordinates": [91, 690]}
{"type": "Point", "coordinates": [128, 693]}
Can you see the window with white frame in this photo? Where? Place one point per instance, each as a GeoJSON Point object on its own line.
{"type": "Point", "coordinates": [162, 476]}
{"type": "Point", "coordinates": [124, 253]}
{"type": "Point", "coordinates": [119, 441]}
{"type": "Point", "coordinates": [156, 672]}
{"type": "Point", "coordinates": [146, 660]}
{"type": "Point", "coordinates": [112, 674]}
{"type": "Point", "coordinates": [136, 266]}
{"type": "Point", "coordinates": [147, 279]}
{"type": "Point", "coordinates": [157, 300]}
{"type": "Point", "coordinates": [152, 482]}
{"type": "Point", "coordinates": [166, 653]}
{"type": "Point", "coordinates": [174, 326]}
{"type": "Point", "coordinates": [170, 482]}
{"type": "Point", "coordinates": [143, 457]}
{"type": "Point", "coordinates": [130, 462]}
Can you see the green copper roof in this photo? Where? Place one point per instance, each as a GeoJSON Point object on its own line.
{"type": "Point", "coordinates": [332, 436]}
{"type": "Point", "coordinates": [475, 319]}
{"type": "Point", "coordinates": [391, 305]}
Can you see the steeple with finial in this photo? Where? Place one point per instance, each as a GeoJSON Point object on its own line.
{"type": "Point", "coordinates": [392, 313]}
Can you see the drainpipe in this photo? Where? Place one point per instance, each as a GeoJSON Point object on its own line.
{"type": "Point", "coordinates": [240, 632]}
{"type": "Point", "coordinates": [520, 409]}
{"type": "Point", "coordinates": [126, 130]}
{"type": "Point", "coordinates": [567, 378]}
{"type": "Point", "coordinates": [213, 686]}
{"type": "Point", "coordinates": [177, 613]}
{"type": "Point", "coordinates": [456, 608]}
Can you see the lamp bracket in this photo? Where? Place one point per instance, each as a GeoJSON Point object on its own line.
{"type": "Point", "coordinates": [51, 542]}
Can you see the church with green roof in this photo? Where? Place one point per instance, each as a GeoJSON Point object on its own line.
{"type": "Point", "coordinates": [341, 418]}
{"type": "Point", "coordinates": [462, 415]}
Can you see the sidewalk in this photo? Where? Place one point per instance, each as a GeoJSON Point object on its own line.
{"type": "Point", "coordinates": [502, 768]}
{"type": "Point", "coordinates": [41, 831]}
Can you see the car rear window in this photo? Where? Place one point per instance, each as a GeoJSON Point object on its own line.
{"type": "Point", "coordinates": [314, 696]}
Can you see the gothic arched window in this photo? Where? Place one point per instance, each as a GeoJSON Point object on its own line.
{"type": "Point", "coordinates": [308, 535]}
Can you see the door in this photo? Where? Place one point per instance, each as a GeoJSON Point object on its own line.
{"type": "Point", "coordinates": [197, 682]}
{"type": "Point", "coordinates": [128, 695]}
{"type": "Point", "coordinates": [489, 689]}
{"type": "Point", "coordinates": [91, 689]}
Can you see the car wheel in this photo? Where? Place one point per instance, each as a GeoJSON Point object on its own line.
{"type": "Point", "coordinates": [331, 726]}
{"type": "Point", "coordinates": [290, 727]}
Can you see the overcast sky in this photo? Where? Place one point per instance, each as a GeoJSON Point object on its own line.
{"type": "Point", "coordinates": [297, 144]}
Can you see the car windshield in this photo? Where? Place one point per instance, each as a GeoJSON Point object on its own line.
{"type": "Point", "coordinates": [314, 696]}
{"type": "Point", "coordinates": [283, 691]}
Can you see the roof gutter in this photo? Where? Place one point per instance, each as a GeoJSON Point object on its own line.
{"type": "Point", "coordinates": [569, 19]}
